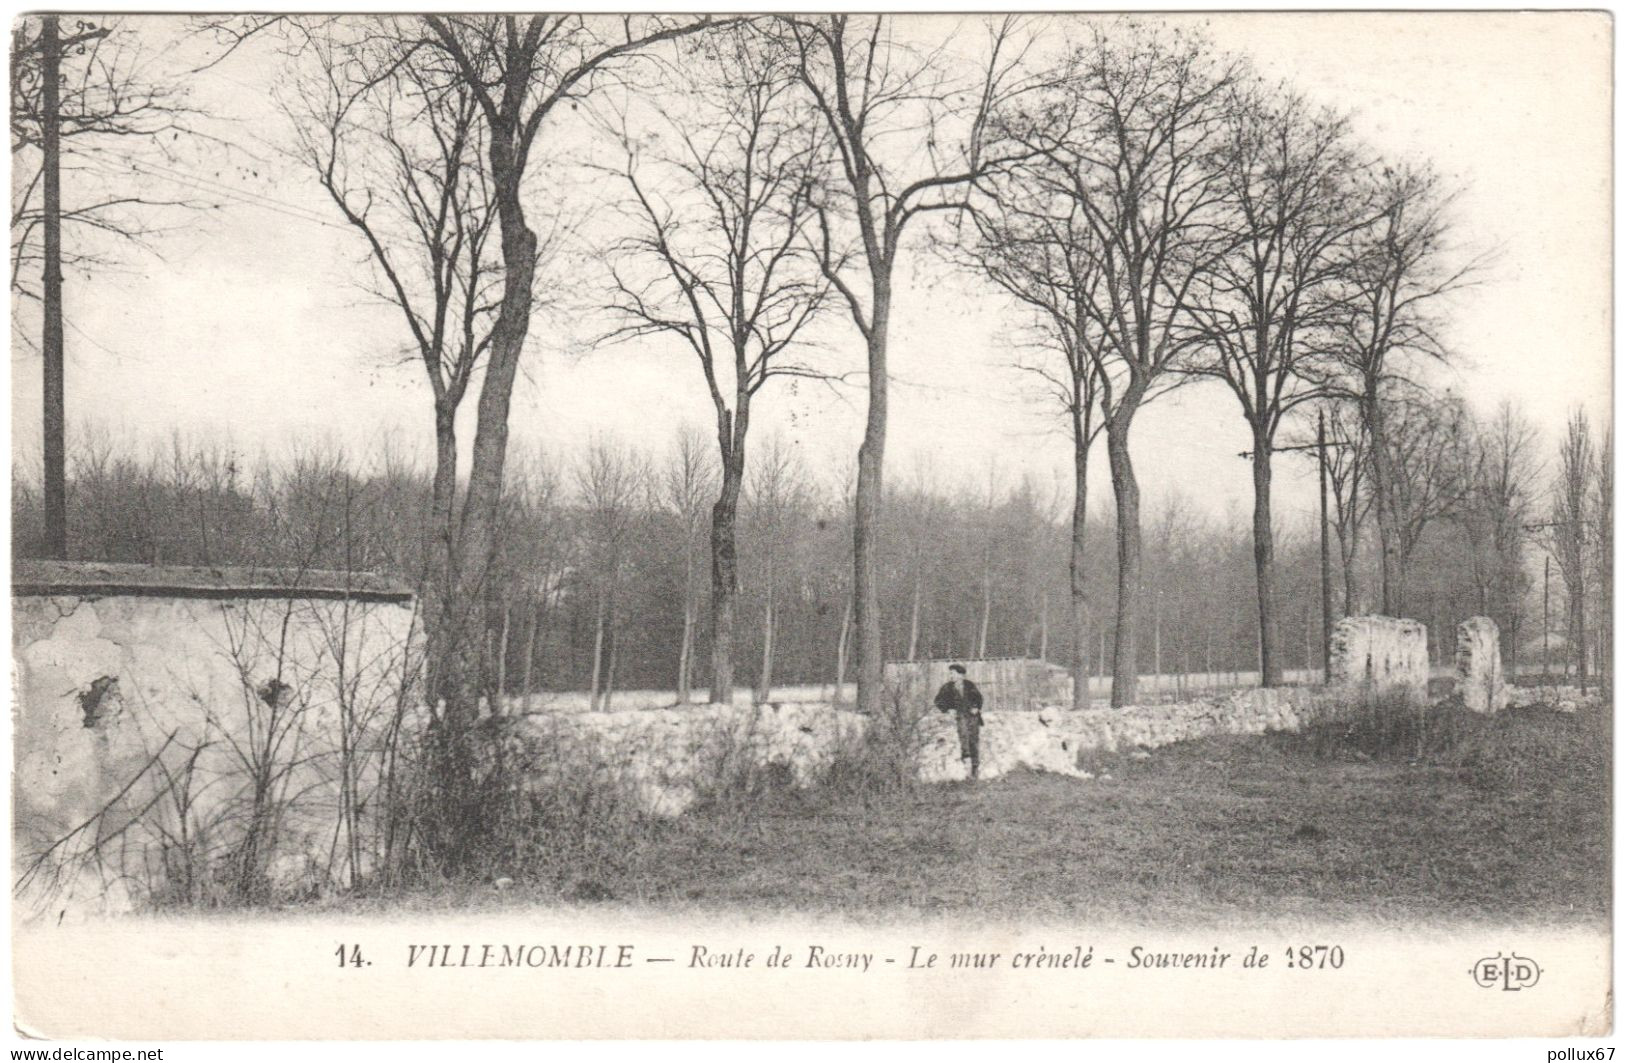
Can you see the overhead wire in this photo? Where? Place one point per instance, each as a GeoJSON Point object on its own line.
{"type": "Point", "coordinates": [156, 170]}
{"type": "Point", "coordinates": [242, 197]}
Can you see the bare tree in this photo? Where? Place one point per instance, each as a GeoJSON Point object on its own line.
{"type": "Point", "coordinates": [846, 474]}
{"type": "Point", "coordinates": [991, 533]}
{"type": "Point", "coordinates": [82, 99]}
{"type": "Point", "coordinates": [720, 262]}
{"type": "Point", "coordinates": [1428, 455]}
{"type": "Point", "coordinates": [1042, 251]}
{"type": "Point", "coordinates": [1493, 516]}
{"type": "Point", "coordinates": [514, 73]}
{"type": "Point", "coordinates": [923, 537]}
{"type": "Point", "coordinates": [610, 482]}
{"type": "Point", "coordinates": [1260, 310]}
{"type": "Point", "coordinates": [399, 148]}
{"type": "Point", "coordinates": [908, 135]}
{"type": "Point", "coordinates": [1576, 471]}
{"type": "Point", "coordinates": [776, 489]}
{"type": "Point", "coordinates": [1128, 134]}
{"type": "Point", "coordinates": [532, 545]}
{"type": "Point", "coordinates": [519, 72]}
{"type": "Point", "coordinates": [1348, 458]}
{"type": "Point", "coordinates": [689, 480]}
{"type": "Point", "coordinates": [1399, 268]}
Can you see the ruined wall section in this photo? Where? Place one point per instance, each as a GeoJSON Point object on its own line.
{"type": "Point", "coordinates": [1479, 680]}
{"type": "Point", "coordinates": [1380, 656]}
{"type": "Point", "coordinates": [667, 759]}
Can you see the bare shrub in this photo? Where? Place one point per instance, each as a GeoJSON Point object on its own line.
{"type": "Point", "coordinates": [1507, 753]}
{"type": "Point", "coordinates": [558, 810]}
{"type": "Point", "coordinates": [882, 757]}
{"type": "Point", "coordinates": [730, 775]}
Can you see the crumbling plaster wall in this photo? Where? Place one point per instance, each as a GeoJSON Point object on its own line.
{"type": "Point", "coordinates": [144, 724]}
{"type": "Point", "coordinates": [1380, 655]}
{"type": "Point", "coordinates": [667, 758]}
{"type": "Point", "coordinates": [1478, 665]}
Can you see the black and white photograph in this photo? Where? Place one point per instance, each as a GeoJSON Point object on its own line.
{"type": "Point", "coordinates": [806, 526]}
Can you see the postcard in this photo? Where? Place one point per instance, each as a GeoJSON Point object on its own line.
{"type": "Point", "coordinates": [812, 526]}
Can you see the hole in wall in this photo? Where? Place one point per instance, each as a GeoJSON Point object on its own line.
{"type": "Point", "coordinates": [96, 701]}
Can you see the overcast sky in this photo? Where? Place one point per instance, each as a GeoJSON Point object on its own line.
{"type": "Point", "coordinates": [253, 324]}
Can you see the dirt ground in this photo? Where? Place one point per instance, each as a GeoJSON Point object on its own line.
{"type": "Point", "coordinates": [1511, 822]}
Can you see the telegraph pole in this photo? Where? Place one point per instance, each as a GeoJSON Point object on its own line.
{"type": "Point", "coordinates": [54, 419]}
{"type": "Point", "coordinates": [1546, 626]}
{"type": "Point", "coordinates": [51, 46]}
{"type": "Point", "coordinates": [1325, 559]}
{"type": "Point", "coordinates": [1319, 446]}
{"type": "Point", "coordinates": [1546, 608]}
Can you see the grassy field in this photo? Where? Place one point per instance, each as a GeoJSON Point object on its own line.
{"type": "Point", "coordinates": [1497, 819]}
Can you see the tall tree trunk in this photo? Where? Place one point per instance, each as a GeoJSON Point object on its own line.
{"type": "Point", "coordinates": [840, 651]}
{"type": "Point", "coordinates": [987, 607]}
{"type": "Point", "coordinates": [609, 669]}
{"type": "Point", "coordinates": [502, 659]}
{"type": "Point", "coordinates": [914, 617]}
{"type": "Point", "coordinates": [459, 676]}
{"type": "Point", "coordinates": [440, 607]}
{"type": "Point", "coordinates": [1126, 489]}
{"type": "Point", "coordinates": [1353, 592]}
{"type": "Point", "coordinates": [1577, 628]}
{"type": "Point", "coordinates": [535, 621]}
{"type": "Point", "coordinates": [1043, 625]}
{"type": "Point", "coordinates": [1393, 592]}
{"type": "Point", "coordinates": [1156, 646]}
{"type": "Point", "coordinates": [725, 576]}
{"type": "Point", "coordinates": [867, 511]}
{"type": "Point", "coordinates": [764, 683]}
{"type": "Point", "coordinates": [1079, 589]}
{"type": "Point", "coordinates": [685, 652]}
{"type": "Point", "coordinates": [1269, 633]}
{"type": "Point", "coordinates": [1308, 639]}
{"type": "Point", "coordinates": [597, 652]}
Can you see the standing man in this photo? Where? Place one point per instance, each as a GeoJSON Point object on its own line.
{"type": "Point", "coordinates": [960, 697]}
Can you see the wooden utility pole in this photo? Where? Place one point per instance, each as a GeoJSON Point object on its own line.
{"type": "Point", "coordinates": [1325, 560]}
{"type": "Point", "coordinates": [55, 420]}
{"type": "Point", "coordinates": [1319, 447]}
{"type": "Point", "coordinates": [1546, 626]}
{"type": "Point", "coordinates": [51, 46]}
{"type": "Point", "coordinates": [1546, 612]}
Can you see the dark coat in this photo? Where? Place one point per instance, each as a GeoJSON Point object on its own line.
{"type": "Point", "coordinates": [965, 702]}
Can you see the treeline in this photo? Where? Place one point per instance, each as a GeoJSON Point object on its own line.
{"type": "Point", "coordinates": [603, 554]}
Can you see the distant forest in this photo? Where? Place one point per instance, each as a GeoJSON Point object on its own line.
{"type": "Point", "coordinates": [608, 546]}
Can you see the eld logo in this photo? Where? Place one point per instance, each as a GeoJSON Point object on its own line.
{"type": "Point", "coordinates": [1509, 973]}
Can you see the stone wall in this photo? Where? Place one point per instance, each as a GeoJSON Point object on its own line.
{"type": "Point", "coordinates": [1051, 739]}
{"type": "Point", "coordinates": [201, 730]}
{"type": "Point", "coordinates": [1380, 656]}
{"type": "Point", "coordinates": [1561, 697]}
{"type": "Point", "coordinates": [206, 733]}
{"type": "Point", "coordinates": [1478, 665]}
{"type": "Point", "coordinates": [666, 759]}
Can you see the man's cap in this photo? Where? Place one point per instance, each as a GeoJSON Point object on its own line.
{"type": "Point", "coordinates": [957, 668]}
